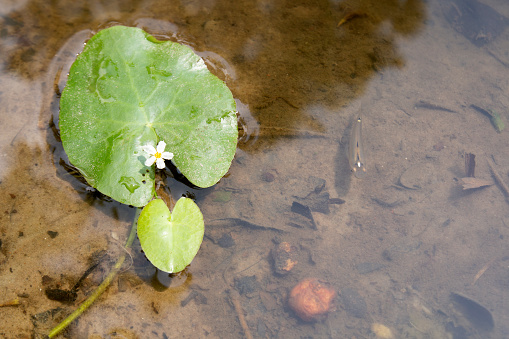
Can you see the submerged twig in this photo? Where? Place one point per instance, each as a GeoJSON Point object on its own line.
{"type": "Point", "coordinates": [235, 298]}
{"type": "Point", "coordinates": [101, 288]}
{"type": "Point", "coordinates": [470, 165]}
{"type": "Point", "coordinates": [13, 302]}
{"type": "Point", "coordinates": [163, 194]}
{"type": "Point", "coordinates": [505, 64]}
{"type": "Point", "coordinates": [350, 16]}
{"type": "Point", "coordinates": [482, 270]}
{"type": "Point", "coordinates": [16, 136]}
{"type": "Point", "coordinates": [498, 180]}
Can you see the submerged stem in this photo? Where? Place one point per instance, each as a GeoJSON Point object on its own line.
{"type": "Point", "coordinates": [101, 288]}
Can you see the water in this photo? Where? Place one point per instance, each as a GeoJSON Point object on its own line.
{"type": "Point", "coordinates": [406, 237]}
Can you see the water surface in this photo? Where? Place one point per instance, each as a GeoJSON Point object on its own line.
{"type": "Point", "coordinates": [406, 239]}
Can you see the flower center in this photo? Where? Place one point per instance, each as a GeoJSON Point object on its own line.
{"type": "Point", "coordinates": [157, 155]}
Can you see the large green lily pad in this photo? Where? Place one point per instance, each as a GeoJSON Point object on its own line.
{"type": "Point", "coordinates": [126, 90]}
{"type": "Point", "coordinates": [171, 240]}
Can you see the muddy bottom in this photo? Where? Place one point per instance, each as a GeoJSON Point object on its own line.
{"type": "Point", "coordinates": [408, 251]}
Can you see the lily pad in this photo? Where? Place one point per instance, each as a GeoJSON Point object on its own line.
{"type": "Point", "coordinates": [171, 240]}
{"type": "Point", "coordinates": [126, 90]}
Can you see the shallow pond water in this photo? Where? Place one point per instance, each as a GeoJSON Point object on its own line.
{"type": "Point", "coordinates": [404, 247]}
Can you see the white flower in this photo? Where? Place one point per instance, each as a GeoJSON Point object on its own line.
{"type": "Point", "coordinates": [157, 155]}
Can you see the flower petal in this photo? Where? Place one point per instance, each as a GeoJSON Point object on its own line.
{"type": "Point", "coordinates": [160, 146]}
{"type": "Point", "coordinates": [150, 161]}
{"type": "Point", "coordinates": [167, 155]}
{"type": "Point", "coordinates": [149, 149]}
{"type": "Point", "coordinates": [160, 163]}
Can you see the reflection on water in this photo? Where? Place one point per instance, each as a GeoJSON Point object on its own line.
{"type": "Point", "coordinates": [406, 238]}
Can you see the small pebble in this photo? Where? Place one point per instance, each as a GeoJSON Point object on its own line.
{"type": "Point", "coordinates": [284, 258]}
{"type": "Point", "coordinates": [312, 299]}
{"type": "Point", "coordinates": [268, 177]}
{"type": "Point", "coordinates": [381, 331]}
{"type": "Point", "coordinates": [114, 235]}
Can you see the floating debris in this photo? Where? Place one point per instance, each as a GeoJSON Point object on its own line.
{"type": "Point", "coordinates": [473, 183]}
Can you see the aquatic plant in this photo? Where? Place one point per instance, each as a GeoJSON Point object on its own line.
{"type": "Point", "coordinates": [128, 92]}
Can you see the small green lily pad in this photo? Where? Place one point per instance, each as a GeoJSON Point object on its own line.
{"type": "Point", "coordinates": [171, 240]}
{"type": "Point", "coordinates": [126, 90]}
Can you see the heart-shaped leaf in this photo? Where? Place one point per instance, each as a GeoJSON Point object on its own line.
{"type": "Point", "coordinates": [126, 90]}
{"type": "Point", "coordinates": [171, 240]}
